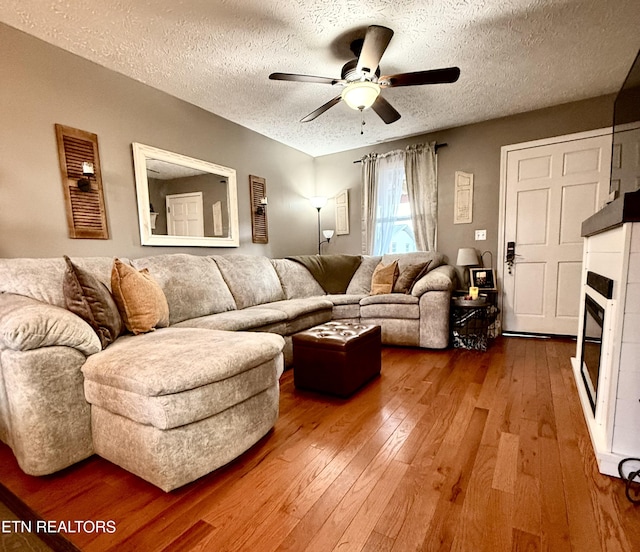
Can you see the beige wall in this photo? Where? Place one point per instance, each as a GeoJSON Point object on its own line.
{"type": "Point", "coordinates": [43, 85]}
{"type": "Point", "coordinates": [472, 148]}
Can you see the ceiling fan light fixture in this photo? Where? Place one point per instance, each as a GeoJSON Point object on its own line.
{"type": "Point", "coordinates": [360, 94]}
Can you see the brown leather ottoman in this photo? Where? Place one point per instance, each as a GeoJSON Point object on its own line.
{"type": "Point", "coordinates": [336, 357]}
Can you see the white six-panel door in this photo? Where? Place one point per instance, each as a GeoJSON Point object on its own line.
{"type": "Point", "coordinates": [549, 190]}
{"type": "Point", "coordinates": [185, 215]}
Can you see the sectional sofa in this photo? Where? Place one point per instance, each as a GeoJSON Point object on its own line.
{"type": "Point", "coordinates": [175, 403]}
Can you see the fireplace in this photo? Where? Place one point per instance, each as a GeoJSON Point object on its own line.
{"type": "Point", "coordinates": [606, 362]}
{"type": "Point", "coordinates": [598, 290]}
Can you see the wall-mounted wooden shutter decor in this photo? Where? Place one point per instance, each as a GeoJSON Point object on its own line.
{"type": "Point", "coordinates": [86, 214]}
{"type": "Point", "coordinates": [259, 221]}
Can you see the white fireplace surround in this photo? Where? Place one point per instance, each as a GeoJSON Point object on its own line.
{"type": "Point", "coordinates": [614, 429]}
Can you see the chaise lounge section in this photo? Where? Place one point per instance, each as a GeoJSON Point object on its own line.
{"type": "Point", "coordinates": [176, 403]}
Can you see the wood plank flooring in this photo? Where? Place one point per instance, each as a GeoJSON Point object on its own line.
{"type": "Point", "coordinates": [447, 450]}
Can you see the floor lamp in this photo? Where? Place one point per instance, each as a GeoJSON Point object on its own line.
{"type": "Point", "coordinates": [318, 202]}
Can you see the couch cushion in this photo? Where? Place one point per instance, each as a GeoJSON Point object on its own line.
{"type": "Point", "coordinates": [397, 331]}
{"type": "Point", "coordinates": [303, 314]}
{"type": "Point", "coordinates": [344, 299]}
{"type": "Point", "coordinates": [442, 278]}
{"type": "Point", "coordinates": [252, 279]}
{"type": "Point", "coordinates": [360, 284]}
{"type": "Point", "coordinates": [390, 299]}
{"type": "Point", "coordinates": [173, 360]}
{"type": "Point", "coordinates": [178, 409]}
{"type": "Point", "coordinates": [392, 305]}
{"type": "Point", "coordinates": [293, 308]}
{"type": "Point", "coordinates": [27, 324]}
{"type": "Point", "coordinates": [296, 280]}
{"type": "Point", "coordinates": [140, 299]}
{"type": "Point", "coordinates": [192, 285]}
{"type": "Point", "coordinates": [251, 318]}
{"type": "Point", "coordinates": [90, 299]}
{"type": "Point", "coordinates": [345, 306]}
{"type": "Point", "coordinates": [41, 279]}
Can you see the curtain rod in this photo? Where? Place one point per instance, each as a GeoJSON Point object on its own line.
{"type": "Point", "coordinates": [437, 147]}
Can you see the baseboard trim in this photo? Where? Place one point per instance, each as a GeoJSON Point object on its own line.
{"type": "Point", "coordinates": [538, 335]}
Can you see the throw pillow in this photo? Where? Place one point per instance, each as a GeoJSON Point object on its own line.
{"type": "Point", "coordinates": [90, 299]}
{"type": "Point", "coordinates": [424, 270]}
{"type": "Point", "coordinates": [384, 277]}
{"type": "Point", "coordinates": [139, 297]}
{"type": "Point", "coordinates": [409, 276]}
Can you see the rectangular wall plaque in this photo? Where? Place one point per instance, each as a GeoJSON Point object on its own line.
{"type": "Point", "coordinates": [463, 198]}
{"type": "Point", "coordinates": [342, 213]}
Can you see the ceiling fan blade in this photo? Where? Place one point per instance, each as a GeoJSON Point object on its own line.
{"type": "Point", "coordinates": [432, 76]}
{"type": "Point", "coordinates": [302, 78]}
{"type": "Point", "coordinates": [375, 43]}
{"type": "Point", "coordinates": [321, 109]}
{"type": "Point", "coordinates": [385, 110]}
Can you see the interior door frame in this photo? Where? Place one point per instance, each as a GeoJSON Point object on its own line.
{"type": "Point", "coordinates": [504, 152]}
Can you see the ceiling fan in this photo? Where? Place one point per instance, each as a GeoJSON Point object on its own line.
{"type": "Point", "coordinates": [362, 81]}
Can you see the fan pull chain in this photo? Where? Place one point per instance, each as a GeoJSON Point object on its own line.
{"type": "Point", "coordinates": [362, 122]}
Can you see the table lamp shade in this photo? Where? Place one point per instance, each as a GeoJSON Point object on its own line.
{"type": "Point", "coordinates": [467, 256]}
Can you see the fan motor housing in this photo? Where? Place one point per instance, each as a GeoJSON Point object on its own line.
{"type": "Point", "coordinates": [350, 74]}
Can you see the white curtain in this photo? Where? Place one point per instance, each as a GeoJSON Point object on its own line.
{"type": "Point", "coordinates": [389, 190]}
{"type": "Point", "coordinates": [368, 219]}
{"type": "Point", "coordinates": [422, 187]}
{"type": "Point", "coordinates": [382, 181]}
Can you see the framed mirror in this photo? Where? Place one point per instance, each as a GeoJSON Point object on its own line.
{"type": "Point", "coordinates": [184, 201]}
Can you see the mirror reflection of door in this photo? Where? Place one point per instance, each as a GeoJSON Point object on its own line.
{"type": "Point", "coordinates": [185, 214]}
{"type": "Point", "coordinates": [167, 179]}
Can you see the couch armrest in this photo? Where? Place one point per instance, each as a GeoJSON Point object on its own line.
{"type": "Point", "coordinates": [27, 324]}
{"type": "Point", "coordinates": [441, 278]}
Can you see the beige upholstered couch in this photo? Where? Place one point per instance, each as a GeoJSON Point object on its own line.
{"type": "Point", "coordinates": [178, 402]}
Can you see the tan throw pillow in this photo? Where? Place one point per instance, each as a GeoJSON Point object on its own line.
{"type": "Point", "coordinates": [409, 276]}
{"type": "Point", "coordinates": [383, 279]}
{"type": "Point", "coordinates": [139, 297]}
{"type": "Point", "coordinates": [90, 299]}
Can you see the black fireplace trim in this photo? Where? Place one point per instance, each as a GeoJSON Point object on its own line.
{"type": "Point", "coordinates": [597, 313]}
{"type": "Point", "coordinates": [602, 284]}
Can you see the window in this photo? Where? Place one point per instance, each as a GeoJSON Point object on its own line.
{"type": "Point", "coordinates": [400, 209]}
{"type": "Point", "coordinates": [393, 231]}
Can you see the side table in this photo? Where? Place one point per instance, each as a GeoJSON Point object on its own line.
{"type": "Point", "coordinates": [470, 324]}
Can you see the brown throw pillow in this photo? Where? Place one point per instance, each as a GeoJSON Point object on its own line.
{"type": "Point", "coordinates": [139, 297]}
{"type": "Point", "coordinates": [424, 270]}
{"type": "Point", "coordinates": [409, 276]}
{"type": "Point", "coordinates": [383, 278]}
{"type": "Point", "coordinates": [90, 299]}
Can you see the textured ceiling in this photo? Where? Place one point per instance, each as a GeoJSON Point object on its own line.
{"type": "Point", "coordinates": [514, 55]}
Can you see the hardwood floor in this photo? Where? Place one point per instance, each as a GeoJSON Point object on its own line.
{"type": "Point", "coordinates": [450, 450]}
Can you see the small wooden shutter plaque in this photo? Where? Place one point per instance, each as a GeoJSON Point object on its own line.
{"type": "Point", "coordinates": [259, 221]}
{"type": "Point", "coordinates": [86, 214]}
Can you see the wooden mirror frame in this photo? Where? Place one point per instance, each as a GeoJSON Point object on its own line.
{"type": "Point", "coordinates": [141, 153]}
